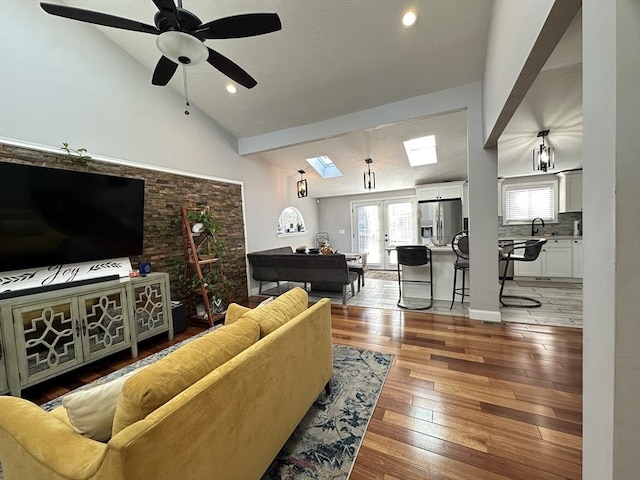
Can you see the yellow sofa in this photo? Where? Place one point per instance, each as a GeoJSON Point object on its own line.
{"type": "Point", "coordinates": [228, 424]}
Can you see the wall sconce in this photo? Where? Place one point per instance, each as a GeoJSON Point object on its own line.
{"type": "Point", "coordinates": [369, 176]}
{"type": "Point", "coordinates": [543, 156]}
{"type": "Point", "coordinates": [302, 185]}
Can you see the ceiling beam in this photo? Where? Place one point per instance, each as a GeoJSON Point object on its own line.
{"type": "Point", "coordinates": [559, 18]}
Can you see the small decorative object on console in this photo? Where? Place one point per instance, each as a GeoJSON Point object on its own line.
{"type": "Point", "coordinates": [326, 251]}
{"type": "Point", "coordinates": [144, 268]}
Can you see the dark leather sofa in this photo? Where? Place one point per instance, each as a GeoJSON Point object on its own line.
{"type": "Point", "coordinates": [283, 265]}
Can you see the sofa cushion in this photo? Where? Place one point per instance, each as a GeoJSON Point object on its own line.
{"type": "Point", "coordinates": [90, 411]}
{"type": "Point", "coordinates": [279, 311]}
{"type": "Point", "coordinates": [169, 376]}
{"type": "Point", "coordinates": [235, 311]}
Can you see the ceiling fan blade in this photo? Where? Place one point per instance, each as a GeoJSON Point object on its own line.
{"type": "Point", "coordinates": [169, 11]}
{"type": "Point", "coordinates": [230, 69]}
{"type": "Point", "coordinates": [164, 71]}
{"type": "Point", "coordinates": [98, 18]}
{"type": "Point", "coordinates": [238, 26]}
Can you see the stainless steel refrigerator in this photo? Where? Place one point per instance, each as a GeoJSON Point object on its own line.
{"type": "Point", "coordinates": [439, 220]}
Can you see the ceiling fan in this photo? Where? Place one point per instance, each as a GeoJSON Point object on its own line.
{"type": "Point", "coordinates": [181, 36]}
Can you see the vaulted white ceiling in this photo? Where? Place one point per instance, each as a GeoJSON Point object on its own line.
{"type": "Point", "coordinates": [335, 57]}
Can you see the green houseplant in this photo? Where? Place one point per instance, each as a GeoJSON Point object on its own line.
{"type": "Point", "coordinates": [79, 154]}
{"type": "Point", "coordinates": [210, 253]}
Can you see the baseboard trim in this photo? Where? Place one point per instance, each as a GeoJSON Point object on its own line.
{"type": "Point", "coordinates": [485, 315]}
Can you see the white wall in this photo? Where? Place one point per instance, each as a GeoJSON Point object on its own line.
{"type": "Point", "coordinates": [63, 81]}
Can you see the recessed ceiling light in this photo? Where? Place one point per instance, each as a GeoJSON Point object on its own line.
{"type": "Point", "coordinates": [409, 19]}
{"type": "Point", "coordinates": [231, 88]}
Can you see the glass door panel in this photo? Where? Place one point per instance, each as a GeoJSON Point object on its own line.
{"type": "Point", "coordinates": [381, 225]}
{"type": "Point", "coordinates": [368, 236]}
{"type": "Point", "coordinates": [399, 228]}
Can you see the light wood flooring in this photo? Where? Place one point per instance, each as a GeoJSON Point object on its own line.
{"type": "Point", "coordinates": [462, 400]}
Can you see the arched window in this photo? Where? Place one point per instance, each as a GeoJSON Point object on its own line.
{"type": "Point", "coordinates": [290, 222]}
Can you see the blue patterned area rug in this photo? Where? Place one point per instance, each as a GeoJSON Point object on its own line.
{"type": "Point", "coordinates": [326, 442]}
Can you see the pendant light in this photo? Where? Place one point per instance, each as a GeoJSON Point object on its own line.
{"type": "Point", "coordinates": [543, 156]}
{"type": "Point", "coordinates": [302, 185]}
{"type": "Point", "coordinates": [369, 176]}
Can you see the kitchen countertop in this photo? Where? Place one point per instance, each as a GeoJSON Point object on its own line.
{"type": "Point", "coordinates": [433, 248]}
{"type": "Point", "coordinates": [551, 237]}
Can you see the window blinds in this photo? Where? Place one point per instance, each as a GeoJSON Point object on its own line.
{"type": "Point", "coordinates": [526, 202]}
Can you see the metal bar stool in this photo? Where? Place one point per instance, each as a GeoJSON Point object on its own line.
{"type": "Point", "coordinates": [530, 251]}
{"type": "Point", "coordinates": [460, 246]}
{"type": "Point", "coordinates": [414, 255]}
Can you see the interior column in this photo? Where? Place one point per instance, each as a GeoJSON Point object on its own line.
{"type": "Point", "coordinates": [482, 169]}
{"type": "Point", "coordinates": [611, 149]}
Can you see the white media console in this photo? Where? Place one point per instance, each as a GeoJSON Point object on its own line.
{"type": "Point", "coordinates": [49, 333]}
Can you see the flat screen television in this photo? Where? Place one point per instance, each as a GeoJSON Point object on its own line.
{"type": "Point", "coordinates": [51, 216]}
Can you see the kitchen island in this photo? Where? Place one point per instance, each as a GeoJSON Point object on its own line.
{"type": "Point", "coordinates": [442, 259]}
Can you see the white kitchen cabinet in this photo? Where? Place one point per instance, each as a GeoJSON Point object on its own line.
{"type": "Point", "coordinates": [528, 269]}
{"type": "Point", "coordinates": [555, 261]}
{"type": "Point", "coordinates": [577, 258]}
{"type": "Point", "coordinates": [570, 192]}
{"type": "Point", "coordinates": [439, 191]}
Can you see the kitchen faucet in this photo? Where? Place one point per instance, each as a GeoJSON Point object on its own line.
{"type": "Point", "coordinates": [533, 229]}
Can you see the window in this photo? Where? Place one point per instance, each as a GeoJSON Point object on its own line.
{"type": "Point", "coordinates": [324, 166]}
{"type": "Point", "coordinates": [525, 201]}
{"type": "Point", "coordinates": [290, 222]}
{"type": "Point", "coordinates": [421, 151]}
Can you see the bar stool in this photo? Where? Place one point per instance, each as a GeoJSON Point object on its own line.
{"type": "Point", "coordinates": [532, 249]}
{"type": "Point", "coordinates": [414, 255]}
{"type": "Point", "coordinates": [460, 246]}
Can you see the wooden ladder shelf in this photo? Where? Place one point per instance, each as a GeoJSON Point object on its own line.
{"type": "Point", "coordinates": [202, 264]}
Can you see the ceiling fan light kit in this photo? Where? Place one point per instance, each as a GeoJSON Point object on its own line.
{"type": "Point", "coordinates": [182, 48]}
{"type": "Point", "coordinates": [543, 156]}
{"type": "Point", "coordinates": [181, 35]}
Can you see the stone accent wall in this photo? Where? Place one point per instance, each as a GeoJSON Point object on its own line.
{"type": "Point", "coordinates": [165, 195]}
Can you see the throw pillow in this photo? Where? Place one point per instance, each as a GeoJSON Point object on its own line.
{"type": "Point", "coordinates": [91, 411]}
{"type": "Point", "coordinates": [279, 311]}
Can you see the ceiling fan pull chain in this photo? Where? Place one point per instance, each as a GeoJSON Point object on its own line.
{"type": "Point", "coordinates": [186, 93]}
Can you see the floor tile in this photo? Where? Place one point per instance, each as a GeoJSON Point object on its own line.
{"type": "Point", "coordinates": [560, 306]}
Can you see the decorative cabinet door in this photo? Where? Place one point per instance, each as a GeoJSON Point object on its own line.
{"type": "Point", "coordinates": [104, 323]}
{"type": "Point", "coordinates": [150, 306]}
{"type": "Point", "coordinates": [48, 338]}
{"type": "Point", "coordinates": [4, 384]}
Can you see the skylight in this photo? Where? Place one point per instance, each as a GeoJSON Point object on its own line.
{"type": "Point", "coordinates": [421, 151]}
{"type": "Point", "coordinates": [324, 166]}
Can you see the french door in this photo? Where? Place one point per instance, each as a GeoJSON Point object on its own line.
{"type": "Point", "coordinates": [380, 225]}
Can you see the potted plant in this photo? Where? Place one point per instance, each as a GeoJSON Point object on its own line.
{"type": "Point", "coordinates": [210, 253]}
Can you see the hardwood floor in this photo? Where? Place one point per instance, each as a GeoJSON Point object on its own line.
{"type": "Point", "coordinates": [462, 400]}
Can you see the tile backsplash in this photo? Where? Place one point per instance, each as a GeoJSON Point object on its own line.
{"type": "Point", "coordinates": [563, 227]}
